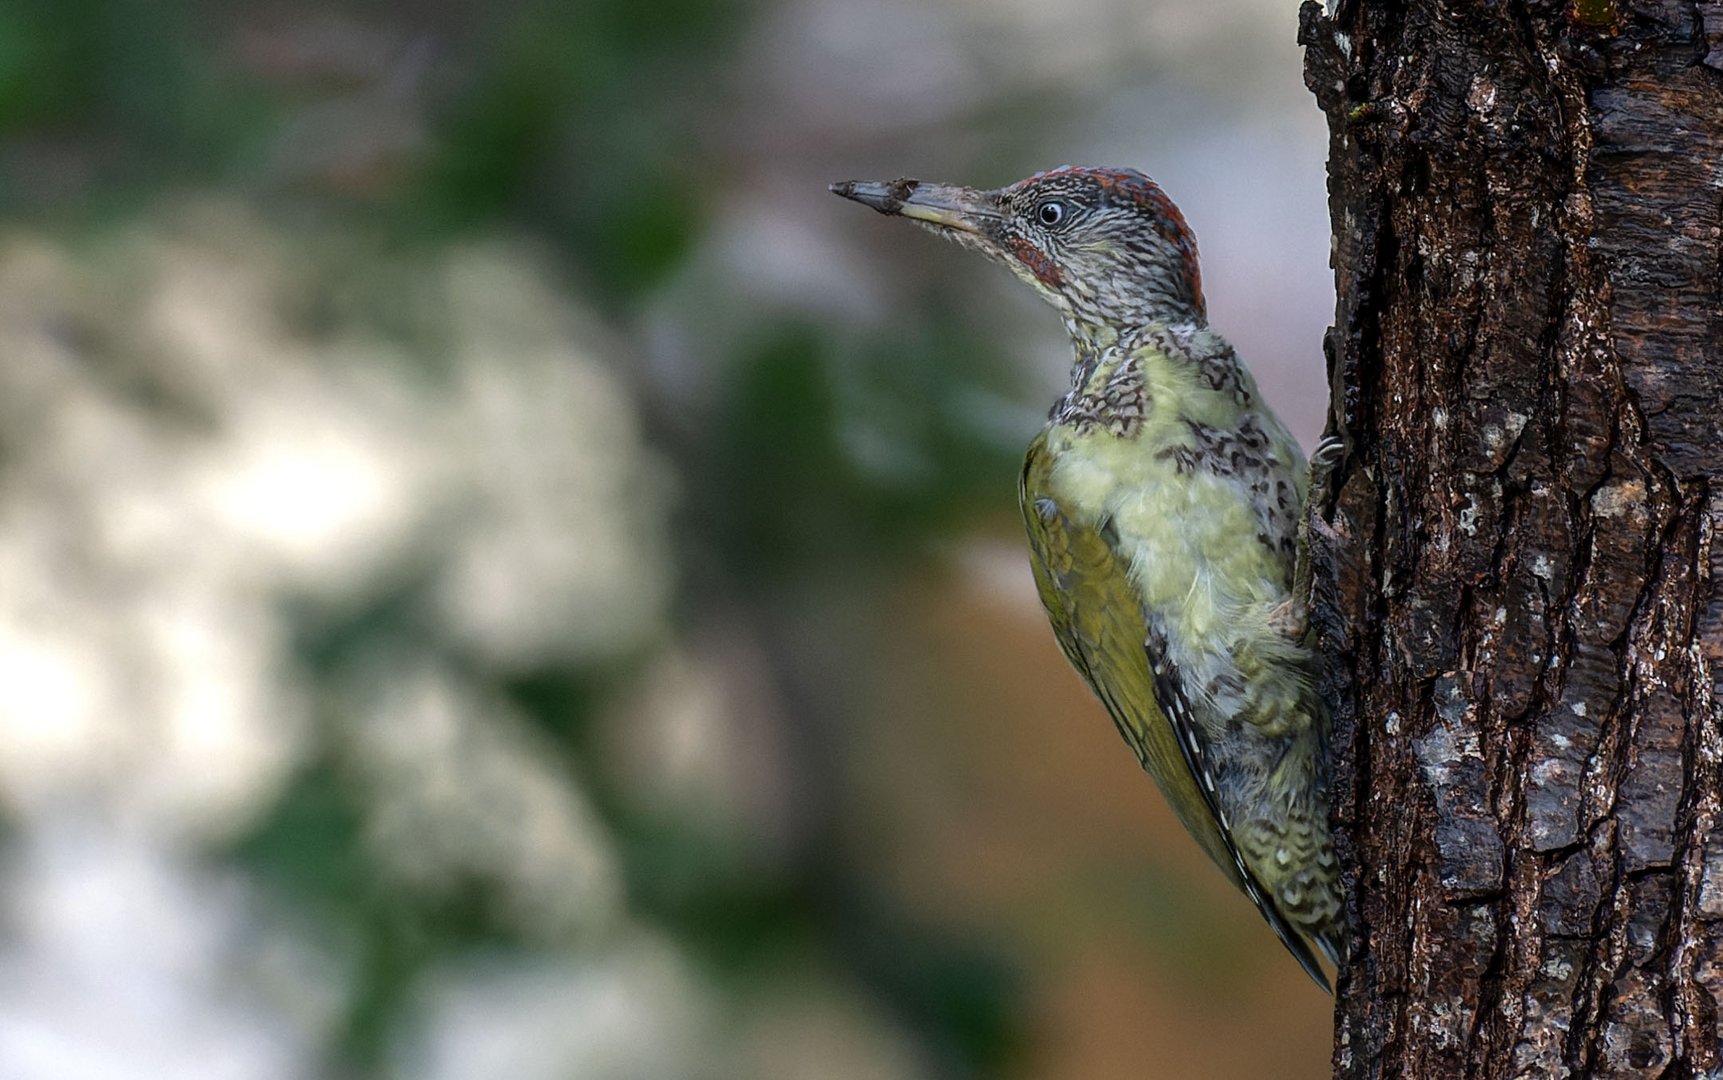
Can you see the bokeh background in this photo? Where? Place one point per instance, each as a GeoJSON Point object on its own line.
{"type": "Point", "coordinates": [502, 575]}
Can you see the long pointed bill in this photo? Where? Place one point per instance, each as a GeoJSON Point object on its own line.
{"type": "Point", "coordinates": [960, 208]}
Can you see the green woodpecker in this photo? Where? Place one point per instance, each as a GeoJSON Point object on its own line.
{"type": "Point", "coordinates": [1163, 501]}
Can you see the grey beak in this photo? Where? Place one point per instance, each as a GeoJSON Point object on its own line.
{"type": "Point", "coordinates": [946, 205]}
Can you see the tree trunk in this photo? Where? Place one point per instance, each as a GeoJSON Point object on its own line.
{"type": "Point", "coordinates": [1520, 555]}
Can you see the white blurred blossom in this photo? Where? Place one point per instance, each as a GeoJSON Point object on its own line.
{"type": "Point", "coordinates": [632, 1012]}
{"type": "Point", "coordinates": [184, 458]}
{"type": "Point", "coordinates": [121, 960]}
{"type": "Point", "coordinates": [465, 791]}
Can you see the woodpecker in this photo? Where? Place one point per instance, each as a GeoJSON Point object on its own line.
{"type": "Point", "coordinates": [1163, 502]}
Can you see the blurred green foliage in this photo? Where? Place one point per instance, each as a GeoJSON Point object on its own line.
{"type": "Point", "coordinates": [577, 123]}
{"type": "Point", "coordinates": [819, 455]}
{"type": "Point", "coordinates": [569, 120]}
{"type": "Point", "coordinates": [819, 458]}
{"type": "Point", "coordinates": [817, 461]}
{"type": "Point", "coordinates": [103, 102]}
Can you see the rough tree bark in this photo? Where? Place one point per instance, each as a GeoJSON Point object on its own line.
{"type": "Point", "coordinates": [1520, 557]}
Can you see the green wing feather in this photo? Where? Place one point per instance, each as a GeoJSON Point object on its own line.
{"type": "Point", "coordinates": [1099, 622]}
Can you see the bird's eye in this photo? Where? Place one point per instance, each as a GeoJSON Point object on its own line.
{"type": "Point", "coordinates": [1050, 213]}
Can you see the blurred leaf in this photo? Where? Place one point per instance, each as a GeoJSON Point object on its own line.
{"type": "Point", "coordinates": [121, 96]}
{"type": "Point", "coordinates": [960, 994]}
{"type": "Point", "coordinates": [311, 849]}
{"type": "Point", "coordinates": [809, 469]}
{"type": "Point", "coordinates": [778, 479]}
{"type": "Point", "coordinates": [635, 234]}
{"type": "Point", "coordinates": [37, 70]}
{"type": "Point", "coordinates": [574, 124]}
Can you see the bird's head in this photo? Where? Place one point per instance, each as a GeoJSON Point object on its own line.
{"type": "Point", "coordinates": [1104, 246]}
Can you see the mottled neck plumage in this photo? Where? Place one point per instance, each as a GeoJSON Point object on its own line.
{"type": "Point", "coordinates": [1087, 350]}
{"type": "Point", "coordinates": [1090, 340]}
